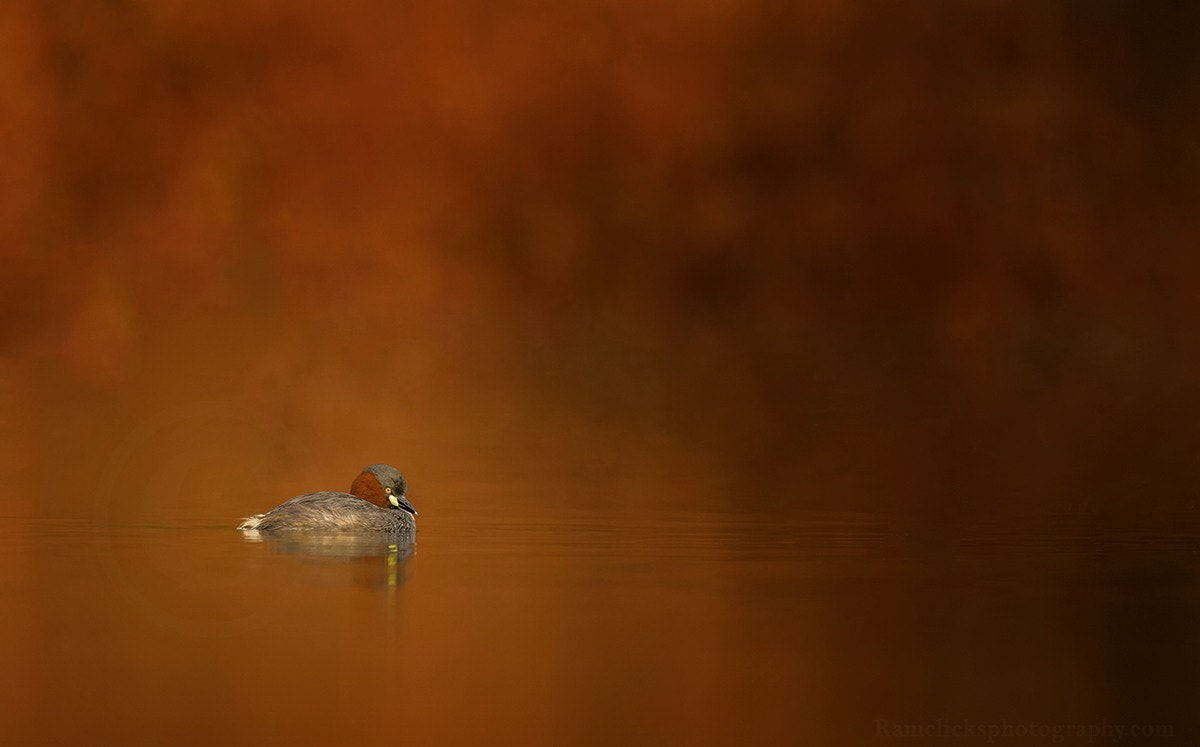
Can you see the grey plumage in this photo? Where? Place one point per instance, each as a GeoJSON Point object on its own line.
{"type": "Point", "coordinates": [331, 511]}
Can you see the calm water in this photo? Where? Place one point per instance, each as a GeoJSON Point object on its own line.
{"type": "Point", "coordinates": [597, 627]}
{"type": "Point", "coordinates": [603, 557]}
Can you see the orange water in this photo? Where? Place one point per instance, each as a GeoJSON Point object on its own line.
{"type": "Point", "coordinates": [617, 544]}
{"type": "Point", "coordinates": [590, 626]}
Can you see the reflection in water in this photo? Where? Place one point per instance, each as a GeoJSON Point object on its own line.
{"type": "Point", "coordinates": [395, 549]}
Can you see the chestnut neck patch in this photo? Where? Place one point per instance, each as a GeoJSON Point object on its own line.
{"type": "Point", "coordinates": [367, 487]}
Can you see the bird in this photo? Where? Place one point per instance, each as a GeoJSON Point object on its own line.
{"type": "Point", "coordinates": [377, 502]}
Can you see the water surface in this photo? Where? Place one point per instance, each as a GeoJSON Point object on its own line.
{"type": "Point", "coordinates": [592, 627]}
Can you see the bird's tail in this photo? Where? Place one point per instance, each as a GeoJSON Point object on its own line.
{"type": "Point", "coordinates": [251, 522]}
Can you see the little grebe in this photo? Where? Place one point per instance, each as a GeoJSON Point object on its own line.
{"type": "Point", "coordinates": [376, 502]}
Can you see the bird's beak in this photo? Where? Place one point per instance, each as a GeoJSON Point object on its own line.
{"type": "Point", "coordinates": [401, 502]}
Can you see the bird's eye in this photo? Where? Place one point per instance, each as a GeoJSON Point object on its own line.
{"type": "Point", "coordinates": [388, 491]}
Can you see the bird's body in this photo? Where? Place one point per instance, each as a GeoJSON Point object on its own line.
{"type": "Point", "coordinates": [377, 502]}
{"type": "Point", "coordinates": [331, 511]}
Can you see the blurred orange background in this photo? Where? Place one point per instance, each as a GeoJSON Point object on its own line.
{"type": "Point", "coordinates": [819, 253]}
